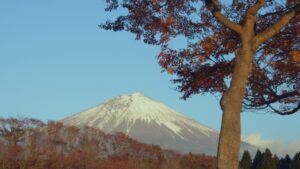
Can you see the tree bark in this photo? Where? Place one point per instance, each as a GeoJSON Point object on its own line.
{"type": "Point", "coordinates": [232, 100]}
{"type": "Point", "coordinates": [231, 104]}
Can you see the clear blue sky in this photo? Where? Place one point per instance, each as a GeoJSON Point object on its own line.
{"type": "Point", "coordinates": [55, 61]}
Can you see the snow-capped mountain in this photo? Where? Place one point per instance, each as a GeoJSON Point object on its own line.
{"type": "Point", "coordinates": [150, 122]}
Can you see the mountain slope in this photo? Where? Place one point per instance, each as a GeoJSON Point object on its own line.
{"type": "Point", "coordinates": [149, 122]}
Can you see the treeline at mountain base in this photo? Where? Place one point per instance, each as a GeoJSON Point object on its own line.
{"type": "Point", "coordinates": [30, 144]}
{"type": "Point", "coordinates": [266, 160]}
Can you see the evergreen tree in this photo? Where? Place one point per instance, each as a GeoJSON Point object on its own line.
{"type": "Point", "coordinates": [246, 161]}
{"type": "Point", "coordinates": [267, 161]}
{"type": "Point", "coordinates": [295, 164]}
{"type": "Point", "coordinates": [256, 160]}
{"type": "Point", "coordinates": [284, 163]}
{"type": "Point", "coordinates": [275, 161]}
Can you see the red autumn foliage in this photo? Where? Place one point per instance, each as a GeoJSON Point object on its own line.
{"type": "Point", "coordinates": [56, 146]}
{"type": "Point", "coordinates": [205, 64]}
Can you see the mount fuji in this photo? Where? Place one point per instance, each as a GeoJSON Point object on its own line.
{"type": "Point", "coordinates": [150, 122]}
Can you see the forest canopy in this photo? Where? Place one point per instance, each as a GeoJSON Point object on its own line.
{"type": "Point", "coordinates": [206, 63]}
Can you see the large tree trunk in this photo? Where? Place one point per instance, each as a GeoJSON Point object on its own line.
{"type": "Point", "coordinates": [232, 100]}
{"type": "Point", "coordinates": [231, 104]}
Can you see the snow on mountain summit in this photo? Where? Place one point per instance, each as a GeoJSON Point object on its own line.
{"type": "Point", "coordinates": [129, 108]}
{"type": "Point", "coordinates": [148, 121]}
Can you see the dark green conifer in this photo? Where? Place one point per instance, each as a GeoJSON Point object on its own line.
{"type": "Point", "coordinates": [275, 161]}
{"type": "Point", "coordinates": [256, 160]}
{"type": "Point", "coordinates": [295, 164]}
{"type": "Point", "coordinates": [246, 161]}
{"type": "Point", "coordinates": [267, 161]}
{"type": "Point", "coordinates": [284, 163]}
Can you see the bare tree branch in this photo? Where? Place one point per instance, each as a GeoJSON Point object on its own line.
{"type": "Point", "coordinates": [283, 96]}
{"type": "Point", "coordinates": [253, 10]}
{"type": "Point", "coordinates": [274, 29]}
{"type": "Point", "coordinates": [294, 110]}
{"type": "Point", "coordinates": [214, 8]}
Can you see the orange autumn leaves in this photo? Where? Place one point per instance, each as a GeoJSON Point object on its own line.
{"type": "Point", "coordinates": [28, 143]}
{"type": "Point", "coordinates": [295, 57]}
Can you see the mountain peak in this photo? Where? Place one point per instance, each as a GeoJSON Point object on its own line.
{"type": "Point", "coordinates": [144, 119]}
{"type": "Point", "coordinates": [133, 97]}
{"type": "Point", "coordinates": [137, 94]}
{"type": "Point", "coordinates": [136, 106]}
{"type": "Point", "coordinates": [149, 121]}
{"type": "Point", "coordinates": [130, 108]}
